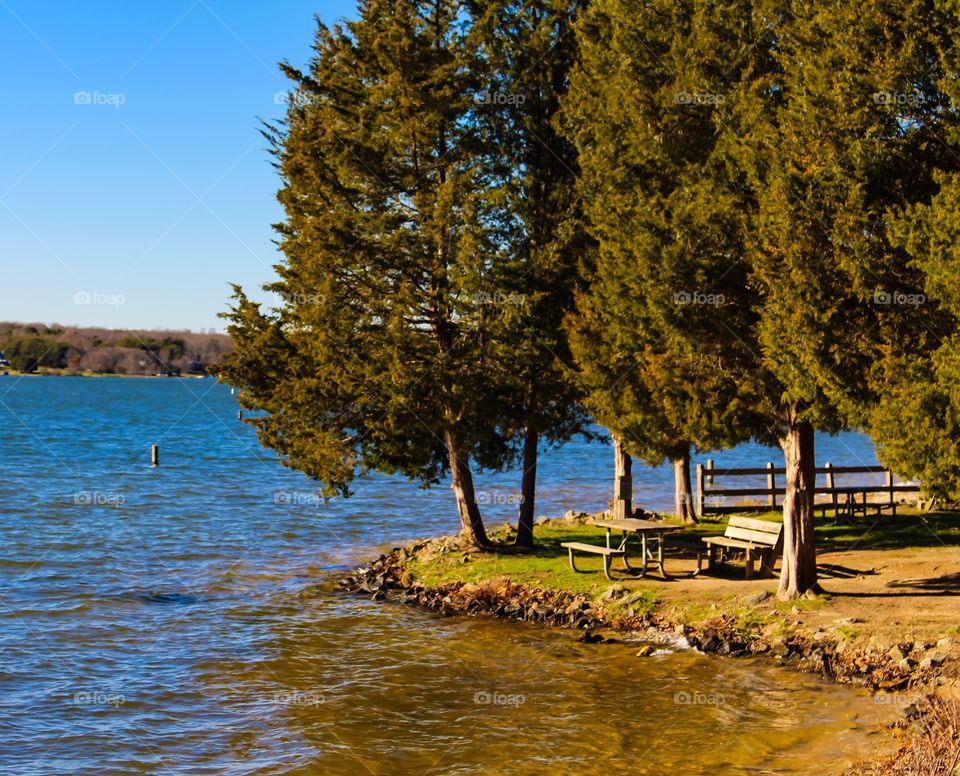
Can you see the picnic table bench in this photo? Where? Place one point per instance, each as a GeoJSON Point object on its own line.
{"type": "Point", "coordinates": [759, 539]}
{"type": "Point", "coordinates": [627, 527]}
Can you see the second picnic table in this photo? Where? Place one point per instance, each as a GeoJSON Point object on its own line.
{"type": "Point", "coordinates": [643, 528]}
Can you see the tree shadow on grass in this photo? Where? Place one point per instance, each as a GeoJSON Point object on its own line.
{"type": "Point", "coordinates": [934, 529]}
{"type": "Point", "coordinates": [939, 586]}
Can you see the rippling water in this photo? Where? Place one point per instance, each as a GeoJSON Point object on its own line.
{"type": "Point", "coordinates": [175, 620]}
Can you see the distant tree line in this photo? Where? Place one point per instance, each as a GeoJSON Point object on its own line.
{"type": "Point", "coordinates": [694, 223]}
{"type": "Point", "coordinates": [36, 347]}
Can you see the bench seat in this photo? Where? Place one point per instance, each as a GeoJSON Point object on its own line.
{"type": "Point", "coordinates": [759, 539]}
{"type": "Point", "coordinates": [608, 554]}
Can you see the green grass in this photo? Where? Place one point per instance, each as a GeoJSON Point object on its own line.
{"type": "Point", "coordinates": [847, 633]}
{"type": "Point", "coordinates": [547, 566]}
{"type": "Point", "coordinates": [907, 529]}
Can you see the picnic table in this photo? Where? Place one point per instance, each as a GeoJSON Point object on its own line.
{"type": "Point", "coordinates": [643, 528]}
{"type": "Point", "coordinates": [850, 505]}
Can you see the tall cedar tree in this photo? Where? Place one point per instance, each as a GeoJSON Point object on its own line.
{"type": "Point", "coordinates": [664, 318]}
{"type": "Point", "coordinates": [526, 49]}
{"type": "Point", "coordinates": [379, 357]}
{"type": "Point", "coordinates": [617, 396]}
{"type": "Point", "coordinates": [917, 419]}
{"type": "Point", "coordinates": [828, 161]}
{"type": "Point", "coordinates": [750, 166]}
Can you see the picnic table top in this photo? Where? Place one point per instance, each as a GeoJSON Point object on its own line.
{"type": "Point", "coordinates": [632, 524]}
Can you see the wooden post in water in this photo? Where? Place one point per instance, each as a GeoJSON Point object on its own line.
{"type": "Point", "coordinates": [155, 455]}
{"type": "Point", "coordinates": [771, 484]}
{"type": "Point", "coordinates": [239, 414]}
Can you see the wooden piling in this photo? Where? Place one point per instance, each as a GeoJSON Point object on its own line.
{"type": "Point", "coordinates": [155, 455]}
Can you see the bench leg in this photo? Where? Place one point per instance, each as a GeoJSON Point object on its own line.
{"type": "Point", "coordinates": [766, 564]}
{"type": "Point", "coordinates": [749, 560]}
{"type": "Point", "coordinates": [712, 559]}
{"type": "Point", "coordinates": [699, 562]}
{"type": "Point", "coordinates": [606, 567]}
{"type": "Point", "coordinates": [572, 564]}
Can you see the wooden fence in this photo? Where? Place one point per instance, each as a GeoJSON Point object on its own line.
{"type": "Point", "coordinates": [828, 494]}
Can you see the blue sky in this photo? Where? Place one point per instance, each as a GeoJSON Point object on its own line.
{"type": "Point", "coordinates": [134, 185]}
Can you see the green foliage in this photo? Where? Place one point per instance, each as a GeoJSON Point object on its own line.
{"type": "Point", "coordinates": [377, 350]}
{"type": "Point", "coordinates": [428, 257]}
{"type": "Point", "coordinates": [662, 335]}
{"type": "Point", "coordinates": [28, 353]}
{"type": "Point", "coordinates": [917, 417]}
{"type": "Point", "coordinates": [167, 348]}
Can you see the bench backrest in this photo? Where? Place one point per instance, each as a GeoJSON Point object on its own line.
{"type": "Point", "coordinates": [747, 529]}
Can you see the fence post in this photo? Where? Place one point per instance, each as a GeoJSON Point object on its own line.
{"type": "Point", "coordinates": [771, 484]}
{"type": "Point", "coordinates": [830, 485]}
{"type": "Point", "coordinates": [710, 471]}
{"type": "Point", "coordinates": [699, 488]}
{"type": "Point", "coordinates": [889, 484]}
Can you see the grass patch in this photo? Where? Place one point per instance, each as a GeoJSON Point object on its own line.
{"type": "Point", "coordinates": [744, 621]}
{"type": "Point", "coordinates": [847, 633]}
{"type": "Point", "coordinates": [907, 529]}
{"type": "Point", "coordinates": [546, 566]}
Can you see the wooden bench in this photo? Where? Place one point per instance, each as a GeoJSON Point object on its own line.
{"type": "Point", "coordinates": [759, 539]}
{"type": "Point", "coordinates": [608, 554]}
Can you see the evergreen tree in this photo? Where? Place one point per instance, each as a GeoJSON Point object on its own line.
{"type": "Point", "coordinates": [828, 161]}
{"type": "Point", "coordinates": [524, 50]}
{"type": "Point", "coordinates": [917, 418]}
{"type": "Point", "coordinates": [380, 355]}
{"type": "Point", "coordinates": [663, 324]}
{"type": "Point", "coordinates": [739, 156]}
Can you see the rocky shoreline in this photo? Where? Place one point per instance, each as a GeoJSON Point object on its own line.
{"type": "Point", "coordinates": [612, 618]}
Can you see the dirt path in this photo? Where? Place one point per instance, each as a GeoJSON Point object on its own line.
{"type": "Point", "coordinates": [897, 595]}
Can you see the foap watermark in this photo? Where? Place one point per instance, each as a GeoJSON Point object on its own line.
{"type": "Point", "coordinates": [99, 298]}
{"type": "Point", "coordinates": [493, 698]}
{"type": "Point", "coordinates": [299, 698]}
{"type": "Point", "coordinates": [99, 698]}
{"type": "Point", "coordinates": [97, 498]}
{"type": "Point", "coordinates": [99, 98]}
{"type": "Point", "coordinates": [297, 498]}
{"type": "Point", "coordinates": [298, 99]}
{"type": "Point", "coordinates": [499, 98]}
{"type": "Point", "coordinates": [698, 297]}
{"type": "Point", "coordinates": [498, 297]}
{"type": "Point", "coordinates": [691, 698]}
{"type": "Point", "coordinates": [698, 98]}
{"type": "Point", "coordinates": [899, 298]}
{"type": "Point", "coordinates": [302, 298]}
{"type": "Point", "coordinates": [897, 98]}
{"type": "Point", "coordinates": [893, 699]}
{"type": "Point", "coordinates": [499, 498]}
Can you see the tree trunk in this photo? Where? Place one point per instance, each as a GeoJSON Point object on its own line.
{"type": "Point", "coordinates": [471, 524]}
{"type": "Point", "coordinates": [799, 574]}
{"type": "Point", "coordinates": [682, 492]}
{"type": "Point", "coordinates": [528, 488]}
{"type": "Point", "coordinates": [622, 481]}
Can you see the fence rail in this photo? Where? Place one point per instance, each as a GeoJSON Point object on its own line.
{"type": "Point", "coordinates": [708, 494]}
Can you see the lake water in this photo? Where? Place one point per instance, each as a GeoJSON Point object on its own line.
{"type": "Point", "coordinates": [176, 620]}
